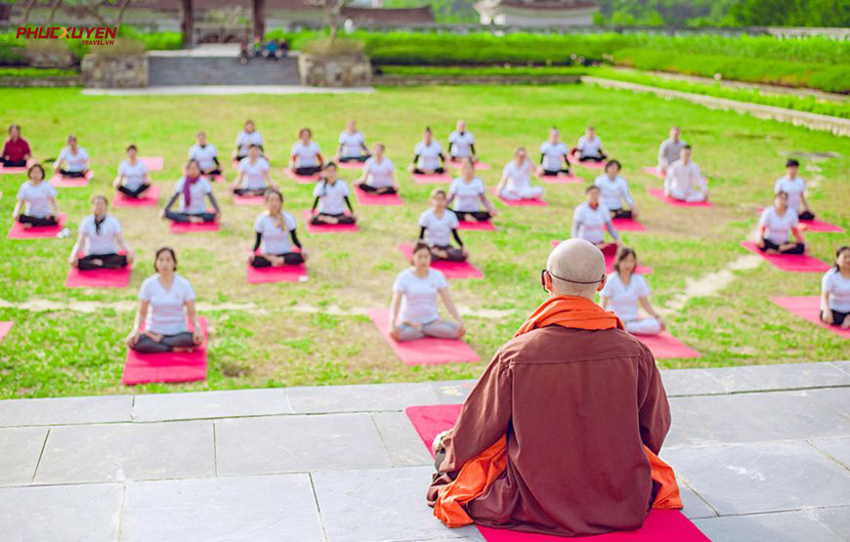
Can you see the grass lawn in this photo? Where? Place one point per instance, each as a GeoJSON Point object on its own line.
{"type": "Point", "coordinates": [304, 333]}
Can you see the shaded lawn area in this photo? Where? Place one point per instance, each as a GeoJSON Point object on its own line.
{"type": "Point", "coordinates": [269, 339]}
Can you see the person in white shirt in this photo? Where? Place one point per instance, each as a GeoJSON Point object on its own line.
{"type": "Point", "coordinates": [413, 311]}
{"type": "Point", "coordinates": [191, 189]}
{"type": "Point", "coordinates": [305, 158]}
{"type": "Point", "coordinates": [166, 299]}
{"type": "Point", "coordinates": [352, 144]}
{"type": "Point", "coordinates": [133, 178]}
{"type": "Point", "coordinates": [253, 178]}
{"type": "Point", "coordinates": [275, 228]}
{"type": "Point", "coordinates": [37, 199]}
{"type": "Point", "coordinates": [331, 195]}
{"type": "Point", "coordinates": [462, 143]}
{"type": "Point", "coordinates": [515, 183]}
{"type": "Point", "coordinates": [428, 155]}
{"type": "Point", "coordinates": [613, 189]}
{"type": "Point", "coordinates": [468, 194]}
{"type": "Point", "coordinates": [436, 227]}
{"type": "Point", "coordinates": [244, 139]}
{"type": "Point", "coordinates": [554, 155]}
{"type": "Point", "coordinates": [795, 187]}
{"type": "Point", "coordinates": [378, 175]}
{"type": "Point", "coordinates": [774, 225]}
{"type": "Point", "coordinates": [99, 239]}
{"type": "Point", "coordinates": [589, 147]}
{"type": "Point", "coordinates": [74, 158]}
{"type": "Point", "coordinates": [684, 181]}
{"type": "Point", "coordinates": [624, 290]}
{"type": "Point", "coordinates": [835, 291]}
{"type": "Point", "coordinates": [591, 219]}
{"type": "Point", "coordinates": [670, 149]}
{"type": "Point", "coordinates": [207, 156]}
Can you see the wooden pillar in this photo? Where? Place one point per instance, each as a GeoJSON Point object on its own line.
{"type": "Point", "coordinates": [188, 23]}
{"type": "Point", "coordinates": [259, 19]}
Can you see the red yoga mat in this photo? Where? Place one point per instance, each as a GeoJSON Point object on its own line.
{"type": "Point", "coordinates": [154, 163]}
{"type": "Point", "coordinates": [589, 164]}
{"type": "Point", "coordinates": [659, 194]}
{"type": "Point", "coordinates": [628, 224]}
{"type": "Point", "coordinates": [666, 346]}
{"type": "Point", "coordinates": [452, 270]}
{"type": "Point", "coordinates": [247, 201]}
{"type": "Point", "coordinates": [283, 273]}
{"type": "Point", "coordinates": [17, 170]}
{"type": "Point", "coordinates": [4, 329]}
{"type": "Point", "coordinates": [365, 198]}
{"type": "Point", "coordinates": [795, 263]}
{"type": "Point", "coordinates": [431, 178]}
{"type": "Point", "coordinates": [98, 278]}
{"type": "Point", "coordinates": [476, 226]}
{"type": "Point", "coordinates": [654, 172]}
{"type": "Point", "coordinates": [19, 232]}
{"type": "Point", "coordinates": [659, 526]}
{"type": "Point", "coordinates": [70, 182]}
{"type": "Point", "coordinates": [427, 351]}
{"type": "Point", "coordinates": [188, 227]}
{"type": "Point", "coordinates": [560, 178]}
{"type": "Point", "coordinates": [808, 308]}
{"type": "Point", "coordinates": [301, 179]}
{"type": "Point", "coordinates": [168, 366]}
{"type": "Point", "coordinates": [328, 228]}
{"type": "Point", "coordinates": [353, 164]}
{"type": "Point", "coordinates": [522, 202]}
{"type": "Point", "coordinates": [149, 199]}
{"type": "Point", "coordinates": [477, 165]}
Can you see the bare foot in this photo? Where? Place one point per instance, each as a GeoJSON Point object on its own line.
{"type": "Point", "coordinates": [181, 349]}
{"type": "Point", "coordinates": [196, 220]}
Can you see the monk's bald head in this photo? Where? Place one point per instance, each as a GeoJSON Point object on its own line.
{"type": "Point", "coordinates": [578, 261]}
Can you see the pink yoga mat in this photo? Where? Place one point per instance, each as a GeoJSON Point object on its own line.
{"type": "Point", "coordinates": [560, 178]}
{"type": "Point", "coordinates": [797, 263]}
{"type": "Point", "coordinates": [476, 226]}
{"type": "Point", "coordinates": [427, 351]}
{"type": "Point", "coordinates": [247, 201]}
{"type": "Point", "coordinates": [628, 224]}
{"type": "Point", "coordinates": [659, 526]}
{"type": "Point", "coordinates": [664, 346]}
{"type": "Point", "coordinates": [452, 270]}
{"type": "Point", "coordinates": [301, 179]}
{"type": "Point", "coordinates": [4, 329]}
{"type": "Point", "coordinates": [154, 163]}
{"type": "Point", "coordinates": [188, 227]}
{"type": "Point", "coordinates": [19, 232]}
{"type": "Point", "coordinates": [654, 172]}
{"type": "Point", "coordinates": [284, 273]}
{"type": "Point", "coordinates": [168, 366]}
{"type": "Point", "coordinates": [808, 308]}
{"type": "Point", "coordinates": [150, 199]}
{"type": "Point", "coordinates": [17, 170]}
{"type": "Point", "coordinates": [350, 165]}
{"type": "Point", "coordinates": [433, 178]}
{"type": "Point", "coordinates": [364, 198]}
{"type": "Point", "coordinates": [328, 228]}
{"type": "Point", "coordinates": [589, 164]}
{"type": "Point", "coordinates": [520, 203]}
{"type": "Point", "coordinates": [609, 262]}
{"type": "Point", "coordinates": [98, 278]}
{"type": "Point", "coordinates": [70, 182]}
{"type": "Point", "coordinates": [477, 165]}
{"type": "Point", "coordinates": [659, 194]}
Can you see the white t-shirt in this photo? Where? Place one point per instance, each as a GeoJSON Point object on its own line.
{"type": "Point", "coordinates": [622, 299]}
{"type": "Point", "coordinates": [461, 143]}
{"type": "Point", "coordinates": [778, 226]}
{"type": "Point", "coordinates": [351, 144]}
{"type": "Point", "coordinates": [419, 300]}
{"type": "Point", "coordinates": [589, 147]}
{"type": "Point", "coordinates": [165, 314]}
{"type": "Point", "coordinates": [37, 198]}
{"type": "Point", "coordinates": [331, 196]}
{"type": "Point", "coordinates": [683, 177]}
{"type": "Point", "coordinates": [438, 231]}
{"type": "Point", "coordinates": [612, 192]}
{"type": "Point", "coordinates": [198, 191]}
{"type": "Point", "coordinates": [794, 189]}
{"type": "Point", "coordinates": [467, 194]}
{"type": "Point", "coordinates": [74, 162]}
{"type": "Point", "coordinates": [254, 178]}
{"type": "Point", "coordinates": [589, 223]}
{"type": "Point", "coordinates": [429, 155]}
{"type": "Point", "coordinates": [838, 288]}
{"type": "Point", "coordinates": [275, 238]}
{"type": "Point", "coordinates": [553, 155]}
{"type": "Point", "coordinates": [134, 174]}
{"type": "Point", "coordinates": [103, 242]}
{"type": "Point", "coordinates": [305, 155]}
{"type": "Point", "coordinates": [205, 155]}
{"type": "Point", "coordinates": [380, 174]}
{"type": "Point", "coordinates": [519, 177]}
{"type": "Point", "coordinates": [244, 141]}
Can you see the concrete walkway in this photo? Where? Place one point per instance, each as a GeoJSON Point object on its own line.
{"type": "Point", "coordinates": [762, 454]}
{"type": "Point", "coordinates": [223, 90]}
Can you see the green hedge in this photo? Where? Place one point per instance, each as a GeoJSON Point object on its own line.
{"type": "Point", "coordinates": [499, 71]}
{"type": "Point", "coordinates": [36, 72]}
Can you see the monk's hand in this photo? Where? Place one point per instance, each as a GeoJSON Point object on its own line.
{"type": "Point", "coordinates": [437, 445]}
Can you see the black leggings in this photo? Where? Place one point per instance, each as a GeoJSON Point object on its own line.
{"type": "Point", "coordinates": [341, 219]}
{"type": "Point", "coordinates": [249, 191]}
{"type": "Point", "coordinates": [436, 170]}
{"type": "Point", "coordinates": [289, 258]}
{"type": "Point", "coordinates": [36, 221]}
{"type": "Point", "coordinates": [186, 217]}
{"type": "Point", "coordinates": [452, 254]}
{"type": "Point", "coordinates": [837, 317]}
{"type": "Point", "coordinates": [167, 343]}
{"type": "Point", "coordinates": [550, 173]}
{"type": "Point", "coordinates": [600, 158]}
{"type": "Point", "coordinates": [308, 170]}
{"type": "Point", "coordinates": [372, 190]}
{"type": "Point", "coordinates": [621, 213]}
{"type": "Point", "coordinates": [798, 248]}
{"type": "Point", "coordinates": [215, 171]}
{"type": "Point", "coordinates": [137, 193]}
{"type": "Point", "coordinates": [360, 159]}
{"type": "Point", "coordinates": [465, 216]}
{"type": "Point", "coordinates": [806, 215]}
{"type": "Point", "coordinates": [106, 261]}
{"type": "Point", "coordinates": [73, 174]}
{"type": "Point", "coordinates": [13, 163]}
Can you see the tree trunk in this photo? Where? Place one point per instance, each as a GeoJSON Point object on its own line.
{"type": "Point", "coordinates": [27, 10]}
{"type": "Point", "coordinates": [120, 15]}
{"type": "Point", "coordinates": [260, 19]}
{"type": "Point", "coordinates": [188, 23]}
{"type": "Point", "coordinates": [52, 13]}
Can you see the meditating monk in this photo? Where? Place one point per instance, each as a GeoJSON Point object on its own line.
{"type": "Point", "coordinates": [566, 420]}
{"type": "Point", "coordinates": [670, 150]}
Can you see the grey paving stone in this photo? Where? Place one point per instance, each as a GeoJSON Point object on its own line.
{"type": "Point", "coordinates": [246, 446]}
{"type": "Point", "coordinates": [836, 448]}
{"type": "Point", "coordinates": [695, 506]}
{"type": "Point", "coordinates": [453, 392]}
{"type": "Point", "coordinates": [103, 453]}
{"type": "Point", "coordinates": [751, 417]}
{"type": "Point", "coordinates": [837, 519]}
{"type": "Point", "coordinates": [843, 365]}
{"type": "Point", "coordinates": [20, 448]}
{"type": "Point", "coordinates": [76, 513]}
{"type": "Point", "coordinates": [65, 410]}
{"type": "Point", "coordinates": [798, 526]}
{"type": "Point", "coordinates": [210, 404]}
{"type": "Point", "coordinates": [360, 398]}
{"type": "Point", "coordinates": [400, 439]}
{"type": "Point", "coordinates": [679, 382]}
{"type": "Point", "coordinates": [780, 376]}
{"type": "Point", "coordinates": [762, 477]}
{"type": "Point", "coordinates": [394, 499]}
{"type": "Point", "coordinates": [278, 508]}
{"type": "Point", "coordinates": [836, 398]}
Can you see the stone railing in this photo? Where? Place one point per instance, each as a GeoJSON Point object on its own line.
{"type": "Point", "coordinates": [101, 71]}
{"type": "Point", "coordinates": [353, 70]}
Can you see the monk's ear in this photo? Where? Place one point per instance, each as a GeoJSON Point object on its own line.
{"type": "Point", "coordinates": [602, 283]}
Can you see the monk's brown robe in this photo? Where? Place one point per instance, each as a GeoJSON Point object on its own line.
{"type": "Point", "coordinates": [576, 406]}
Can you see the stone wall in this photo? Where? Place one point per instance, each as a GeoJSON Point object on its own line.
{"type": "Point", "coordinates": [335, 71]}
{"type": "Point", "coordinates": [100, 71]}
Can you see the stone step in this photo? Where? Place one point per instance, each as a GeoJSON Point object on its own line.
{"type": "Point", "coordinates": [184, 70]}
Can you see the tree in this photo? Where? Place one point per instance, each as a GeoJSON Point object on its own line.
{"type": "Point", "coordinates": [187, 24]}
{"type": "Point", "coordinates": [259, 19]}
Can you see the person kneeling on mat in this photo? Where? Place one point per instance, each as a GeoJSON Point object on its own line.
{"type": "Point", "coordinates": [774, 224]}
{"type": "Point", "coordinates": [436, 225]}
{"type": "Point", "coordinates": [331, 195]}
{"type": "Point", "coordinates": [253, 178]}
{"type": "Point", "coordinates": [795, 187]}
{"type": "Point", "coordinates": [305, 158]}
{"type": "Point", "coordinates": [589, 147]}
{"type": "Point", "coordinates": [428, 157]}
{"type": "Point", "coordinates": [624, 290]}
{"type": "Point", "coordinates": [553, 155]}
{"type": "Point", "coordinates": [165, 301]}
{"type": "Point", "coordinates": [613, 189]}
{"type": "Point", "coordinates": [274, 227]}
{"type": "Point", "coordinates": [75, 159]}
{"type": "Point", "coordinates": [191, 189]}
{"type": "Point", "coordinates": [835, 291]}
{"type": "Point", "coordinates": [378, 173]}
{"type": "Point", "coordinates": [515, 183]}
{"type": "Point", "coordinates": [352, 144]}
{"type": "Point", "coordinates": [684, 181]}
{"type": "Point", "coordinates": [39, 197]}
{"type": "Point", "coordinates": [413, 311]}
{"type": "Point", "coordinates": [16, 150]}
{"type": "Point", "coordinates": [591, 219]}
{"type": "Point", "coordinates": [133, 178]}
{"type": "Point", "coordinates": [100, 236]}
{"type": "Point", "coordinates": [470, 194]}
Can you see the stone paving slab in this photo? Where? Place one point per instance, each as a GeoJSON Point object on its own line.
{"type": "Point", "coordinates": [836, 398]}
{"type": "Point", "coordinates": [691, 382]}
{"type": "Point", "coordinates": [837, 519]}
{"type": "Point", "coordinates": [360, 398]}
{"type": "Point", "coordinates": [20, 448]}
{"type": "Point", "coordinates": [65, 410]}
{"type": "Point", "coordinates": [836, 448]}
{"type": "Point", "coordinates": [210, 404]}
{"type": "Point", "coordinates": [401, 440]}
{"type": "Point", "coordinates": [779, 377]}
{"type": "Point", "coordinates": [780, 527]}
{"type": "Point", "coordinates": [694, 505]}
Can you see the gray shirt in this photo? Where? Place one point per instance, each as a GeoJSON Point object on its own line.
{"type": "Point", "coordinates": [669, 151]}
